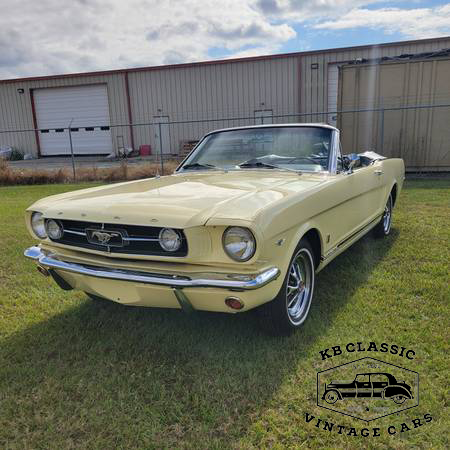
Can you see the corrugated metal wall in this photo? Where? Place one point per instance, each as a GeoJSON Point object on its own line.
{"type": "Point", "coordinates": [211, 92]}
{"type": "Point", "coordinates": [314, 84]}
{"type": "Point", "coordinates": [420, 136]}
{"type": "Point", "coordinates": [290, 84]}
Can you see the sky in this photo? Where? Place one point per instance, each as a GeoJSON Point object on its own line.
{"type": "Point", "coordinates": [48, 37]}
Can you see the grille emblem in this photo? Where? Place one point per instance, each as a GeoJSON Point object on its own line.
{"type": "Point", "coordinates": [103, 237]}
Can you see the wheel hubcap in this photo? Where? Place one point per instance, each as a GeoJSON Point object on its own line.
{"type": "Point", "coordinates": [299, 287]}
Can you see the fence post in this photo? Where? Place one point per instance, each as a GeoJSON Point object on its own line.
{"type": "Point", "coordinates": [381, 130]}
{"type": "Point", "coordinates": [71, 151]}
{"type": "Point", "coordinates": [160, 149]}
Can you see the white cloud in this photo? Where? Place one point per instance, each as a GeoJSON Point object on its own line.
{"type": "Point", "coordinates": [49, 36]}
{"type": "Point", "coordinates": [302, 10]}
{"type": "Point", "coordinates": [53, 36]}
{"type": "Point", "coordinates": [411, 23]}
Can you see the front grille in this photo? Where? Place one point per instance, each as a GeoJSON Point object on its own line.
{"type": "Point", "coordinates": [137, 240]}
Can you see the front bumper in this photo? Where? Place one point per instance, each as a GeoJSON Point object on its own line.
{"type": "Point", "coordinates": [207, 291]}
{"type": "Point", "coordinates": [234, 282]}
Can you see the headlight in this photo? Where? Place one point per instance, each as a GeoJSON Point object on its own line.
{"type": "Point", "coordinates": [239, 243]}
{"type": "Point", "coordinates": [169, 240]}
{"type": "Point", "coordinates": [54, 229]}
{"type": "Point", "coordinates": [38, 226]}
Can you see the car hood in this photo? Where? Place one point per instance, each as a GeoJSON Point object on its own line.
{"type": "Point", "coordinates": [181, 200]}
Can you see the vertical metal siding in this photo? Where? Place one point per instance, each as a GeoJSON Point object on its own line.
{"type": "Point", "coordinates": [312, 95]}
{"type": "Point", "coordinates": [211, 92]}
{"type": "Point", "coordinates": [419, 136]}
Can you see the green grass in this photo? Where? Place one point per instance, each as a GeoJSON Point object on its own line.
{"type": "Point", "coordinates": [74, 373]}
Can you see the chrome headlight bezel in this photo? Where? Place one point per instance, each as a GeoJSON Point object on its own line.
{"type": "Point", "coordinates": [248, 239]}
{"type": "Point", "coordinates": [37, 224]}
{"type": "Point", "coordinates": [175, 238]}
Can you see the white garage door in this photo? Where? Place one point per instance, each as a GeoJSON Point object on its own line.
{"type": "Point", "coordinates": [333, 80]}
{"type": "Point", "coordinates": [86, 106]}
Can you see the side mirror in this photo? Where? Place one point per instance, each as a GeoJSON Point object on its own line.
{"type": "Point", "coordinates": [353, 160]}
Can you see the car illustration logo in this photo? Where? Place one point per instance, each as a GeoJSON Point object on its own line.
{"type": "Point", "coordinates": [367, 389]}
{"type": "Point", "coordinates": [104, 237]}
{"type": "Point", "coordinates": [371, 384]}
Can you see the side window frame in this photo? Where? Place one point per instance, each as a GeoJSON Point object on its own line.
{"type": "Point", "coordinates": [339, 159]}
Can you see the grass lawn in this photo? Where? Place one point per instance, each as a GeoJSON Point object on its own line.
{"type": "Point", "coordinates": [74, 373]}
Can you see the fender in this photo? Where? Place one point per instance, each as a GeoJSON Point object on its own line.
{"type": "Point", "coordinates": [300, 232]}
{"type": "Point", "coordinates": [391, 391]}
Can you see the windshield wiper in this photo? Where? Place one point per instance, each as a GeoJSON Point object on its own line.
{"type": "Point", "coordinates": [255, 163]}
{"type": "Point", "coordinates": [199, 166]}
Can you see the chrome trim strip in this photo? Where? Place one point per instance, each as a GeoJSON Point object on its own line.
{"type": "Point", "coordinates": [218, 280]}
{"type": "Point", "coordinates": [125, 238]}
{"type": "Point", "coordinates": [364, 229]}
{"type": "Point", "coordinates": [334, 150]}
{"type": "Point", "coordinates": [79, 233]}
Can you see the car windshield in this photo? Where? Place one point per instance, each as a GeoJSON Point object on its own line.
{"type": "Point", "coordinates": [286, 148]}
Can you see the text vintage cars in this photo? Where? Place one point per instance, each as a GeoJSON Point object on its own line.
{"type": "Point", "coordinates": [369, 385]}
{"type": "Point", "coordinates": [246, 221]}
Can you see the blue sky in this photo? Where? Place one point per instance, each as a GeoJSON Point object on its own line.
{"type": "Point", "coordinates": [56, 37]}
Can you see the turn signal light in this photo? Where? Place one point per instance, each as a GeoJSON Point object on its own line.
{"type": "Point", "coordinates": [234, 303]}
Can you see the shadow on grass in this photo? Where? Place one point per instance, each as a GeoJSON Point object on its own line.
{"type": "Point", "coordinates": [107, 375]}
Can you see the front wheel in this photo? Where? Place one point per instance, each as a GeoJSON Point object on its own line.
{"type": "Point", "coordinates": [290, 308]}
{"type": "Point", "coordinates": [331, 397]}
{"type": "Point", "coordinates": [383, 228]}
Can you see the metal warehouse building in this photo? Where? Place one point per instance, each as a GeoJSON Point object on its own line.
{"type": "Point", "coordinates": [110, 109]}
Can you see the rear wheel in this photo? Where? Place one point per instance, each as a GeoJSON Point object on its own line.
{"type": "Point", "coordinates": [399, 399]}
{"type": "Point", "coordinates": [290, 308]}
{"type": "Point", "coordinates": [383, 228]}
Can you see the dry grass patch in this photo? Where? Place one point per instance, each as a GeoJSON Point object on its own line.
{"type": "Point", "coordinates": [123, 172]}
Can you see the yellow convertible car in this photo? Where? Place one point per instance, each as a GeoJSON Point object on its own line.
{"type": "Point", "coordinates": [246, 221]}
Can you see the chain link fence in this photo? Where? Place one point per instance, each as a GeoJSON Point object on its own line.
{"type": "Point", "coordinates": [420, 134]}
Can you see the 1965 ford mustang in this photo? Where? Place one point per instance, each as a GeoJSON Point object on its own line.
{"type": "Point", "coordinates": [247, 220]}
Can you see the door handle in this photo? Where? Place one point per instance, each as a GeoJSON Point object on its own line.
{"type": "Point", "coordinates": [378, 172]}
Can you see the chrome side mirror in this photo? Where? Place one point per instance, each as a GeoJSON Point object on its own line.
{"type": "Point", "coordinates": [353, 160]}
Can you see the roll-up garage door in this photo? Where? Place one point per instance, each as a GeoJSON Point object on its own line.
{"type": "Point", "coordinates": [88, 110]}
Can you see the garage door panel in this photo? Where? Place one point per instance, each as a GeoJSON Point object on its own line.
{"type": "Point", "coordinates": [83, 106]}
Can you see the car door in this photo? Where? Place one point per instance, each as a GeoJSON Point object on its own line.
{"type": "Point", "coordinates": [379, 383]}
{"type": "Point", "coordinates": [363, 386]}
{"type": "Point", "coordinates": [357, 201]}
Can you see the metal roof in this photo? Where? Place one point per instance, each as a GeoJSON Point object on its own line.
{"type": "Point", "coordinates": [225, 61]}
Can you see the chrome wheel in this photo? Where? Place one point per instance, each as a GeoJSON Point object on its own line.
{"type": "Point", "coordinates": [387, 216]}
{"type": "Point", "coordinates": [300, 286]}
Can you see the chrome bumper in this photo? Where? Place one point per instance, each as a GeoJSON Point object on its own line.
{"type": "Point", "coordinates": [235, 282]}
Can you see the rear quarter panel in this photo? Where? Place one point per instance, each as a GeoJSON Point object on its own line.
{"type": "Point", "coordinates": [394, 174]}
